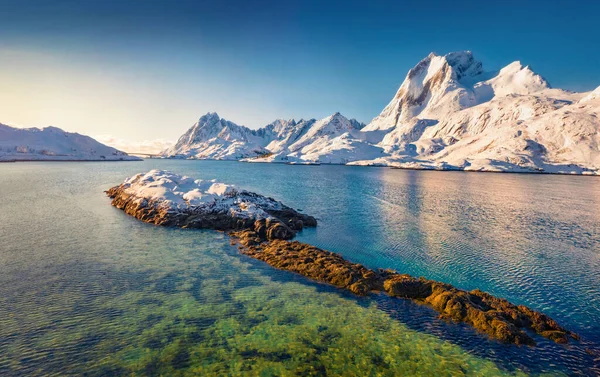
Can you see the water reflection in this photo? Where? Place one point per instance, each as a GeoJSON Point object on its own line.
{"type": "Point", "coordinates": [530, 239]}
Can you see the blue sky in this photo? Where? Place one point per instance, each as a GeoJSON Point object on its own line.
{"type": "Point", "coordinates": [148, 69]}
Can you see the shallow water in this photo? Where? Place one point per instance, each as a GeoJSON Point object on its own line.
{"type": "Point", "coordinates": [88, 290]}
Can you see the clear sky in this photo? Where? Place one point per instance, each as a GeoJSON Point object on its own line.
{"type": "Point", "coordinates": [147, 69]}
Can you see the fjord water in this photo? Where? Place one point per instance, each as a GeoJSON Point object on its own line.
{"type": "Point", "coordinates": [88, 290]}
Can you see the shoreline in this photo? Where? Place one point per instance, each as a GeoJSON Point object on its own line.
{"type": "Point", "coordinates": [329, 164]}
{"type": "Point", "coordinates": [397, 167]}
{"type": "Point", "coordinates": [58, 160]}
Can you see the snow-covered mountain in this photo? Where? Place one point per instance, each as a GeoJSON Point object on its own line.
{"type": "Point", "coordinates": [448, 114]}
{"type": "Point", "coordinates": [52, 143]}
{"type": "Point", "coordinates": [334, 139]}
{"type": "Point", "coordinates": [215, 138]}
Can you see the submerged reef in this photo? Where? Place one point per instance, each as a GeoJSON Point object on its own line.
{"type": "Point", "coordinates": [494, 316]}
{"type": "Point", "coordinates": [262, 227]}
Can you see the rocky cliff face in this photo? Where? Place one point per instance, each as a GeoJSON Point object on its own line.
{"type": "Point", "coordinates": [433, 86]}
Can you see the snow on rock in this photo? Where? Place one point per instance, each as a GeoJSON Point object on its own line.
{"type": "Point", "coordinates": [175, 190]}
{"type": "Point", "coordinates": [512, 79]}
{"type": "Point", "coordinates": [165, 198]}
{"type": "Point", "coordinates": [52, 143]}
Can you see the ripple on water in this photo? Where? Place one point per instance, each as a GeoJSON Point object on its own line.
{"type": "Point", "coordinates": [87, 290]}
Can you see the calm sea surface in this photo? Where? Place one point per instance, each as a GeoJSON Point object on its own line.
{"type": "Point", "coordinates": [88, 290]}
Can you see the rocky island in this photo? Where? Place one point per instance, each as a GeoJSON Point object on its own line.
{"type": "Point", "coordinates": [263, 226]}
{"type": "Point", "coordinates": [164, 198]}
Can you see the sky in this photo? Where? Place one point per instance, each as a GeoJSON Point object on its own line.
{"type": "Point", "coordinates": [141, 72]}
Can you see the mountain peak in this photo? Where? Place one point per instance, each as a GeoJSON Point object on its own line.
{"type": "Point", "coordinates": [516, 65]}
{"type": "Point", "coordinates": [53, 143]}
{"type": "Point", "coordinates": [440, 85]}
{"type": "Point", "coordinates": [427, 87]}
{"type": "Point", "coordinates": [209, 116]}
{"type": "Point", "coordinates": [516, 79]}
{"type": "Point", "coordinates": [464, 64]}
{"type": "Point", "coordinates": [595, 94]}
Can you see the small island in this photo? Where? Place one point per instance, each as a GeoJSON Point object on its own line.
{"type": "Point", "coordinates": [263, 228]}
{"type": "Point", "coordinates": [164, 198]}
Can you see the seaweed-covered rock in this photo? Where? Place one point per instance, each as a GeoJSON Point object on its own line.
{"type": "Point", "coordinates": [494, 316]}
{"type": "Point", "coordinates": [312, 262]}
{"type": "Point", "coordinates": [164, 198]}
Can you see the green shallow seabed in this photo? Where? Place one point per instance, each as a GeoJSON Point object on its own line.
{"type": "Point", "coordinates": [199, 308]}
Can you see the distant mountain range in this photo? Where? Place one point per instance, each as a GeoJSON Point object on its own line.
{"type": "Point", "coordinates": [334, 139]}
{"type": "Point", "coordinates": [448, 114]}
{"type": "Point", "coordinates": [51, 143]}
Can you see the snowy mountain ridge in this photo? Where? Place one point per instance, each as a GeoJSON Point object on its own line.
{"type": "Point", "coordinates": [448, 113]}
{"type": "Point", "coordinates": [216, 138]}
{"type": "Point", "coordinates": [282, 140]}
{"type": "Point", "coordinates": [52, 143]}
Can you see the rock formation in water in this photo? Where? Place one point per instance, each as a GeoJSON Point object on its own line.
{"type": "Point", "coordinates": [494, 316]}
{"type": "Point", "coordinates": [163, 198]}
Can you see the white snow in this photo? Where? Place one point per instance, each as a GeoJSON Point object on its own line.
{"type": "Point", "coordinates": [447, 114]}
{"type": "Point", "coordinates": [52, 143]}
{"type": "Point", "coordinates": [178, 192]}
{"type": "Point", "coordinates": [595, 94]}
{"type": "Point", "coordinates": [512, 79]}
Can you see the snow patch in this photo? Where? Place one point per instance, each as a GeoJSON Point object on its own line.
{"type": "Point", "coordinates": [179, 192]}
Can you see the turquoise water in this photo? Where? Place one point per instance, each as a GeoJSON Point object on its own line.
{"type": "Point", "coordinates": [87, 290]}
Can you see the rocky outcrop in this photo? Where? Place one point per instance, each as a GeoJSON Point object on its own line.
{"type": "Point", "coordinates": [494, 316]}
{"type": "Point", "coordinates": [168, 199]}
